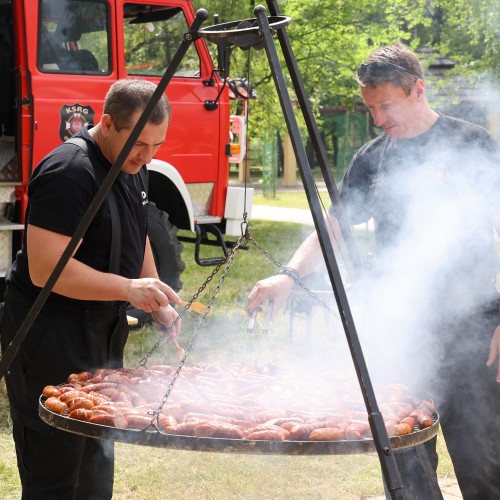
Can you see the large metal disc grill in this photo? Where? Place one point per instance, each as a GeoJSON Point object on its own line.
{"type": "Point", "coordinates": [255, 396]}
{"type": "Point", "coordinates": [160, 439]}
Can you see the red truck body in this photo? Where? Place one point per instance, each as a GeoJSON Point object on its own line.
{"type": "Point", "coordinates": [64, 56]}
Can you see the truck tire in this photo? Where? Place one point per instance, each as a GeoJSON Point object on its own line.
{"type": "Point", "coordinates": [167, 250]}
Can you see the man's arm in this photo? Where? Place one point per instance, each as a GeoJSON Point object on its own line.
{"type": "Point", "coordinates": [494, 353]}
{"type": "Point", "coordinates": [79, 281]}
{"type": "Point", "coordinates": [306, 259]}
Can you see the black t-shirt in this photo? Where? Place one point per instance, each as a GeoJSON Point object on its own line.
{"type": "Point", "coordinates": [60, 191]}
{"type": "Point", "coordinates": [432, 199]}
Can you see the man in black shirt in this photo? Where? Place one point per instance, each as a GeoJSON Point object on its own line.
{"type": "Point", "coordinates": [430, 183]}
{"type": "Point", "coordinates": [83, 324]}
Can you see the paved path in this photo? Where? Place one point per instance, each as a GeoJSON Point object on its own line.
{"type": "Point", "coordinates": [282, 214]}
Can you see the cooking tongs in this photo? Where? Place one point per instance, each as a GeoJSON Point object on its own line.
{"type": "Point", "coordinates": [166, 329]}
{"type": "Point", "coordinates": [265, 328]}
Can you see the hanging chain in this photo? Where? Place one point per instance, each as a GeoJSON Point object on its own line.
{"type": "Point", "coordinates": [228, 263]}
{"type": "Point", "coordinates": [297, 280]}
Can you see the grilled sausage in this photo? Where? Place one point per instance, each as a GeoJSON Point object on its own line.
{"type": "Point", "coordinates": [167, 423]}
{"type": "Point", "coordinates": [219, 430]}
{"type": "Point", "coordinates": [56, 405]}
{"type": "Point", "coordinates": [268, 435]}
{"type": "Point", "coordinates": [301, 432]}
{"type": "Point", "coordinates": [68, 396]}
{"type": "Point", "coordinates": [79, 402]}
{"type": "Point", "coordinates": [423, 418]}
{"type": "Point", "coordinates": [79, 378]}
{"type": "Point", "coordinates": [50, 391]}
{"type": "Point", "coordinates": [81, 414]}
{"type": "Point", "coordinates": [326, 434]}
{"type": "Point", "coordinates": [403, 428]}
{"type": "Point", "coordinates": [138, 421]}
{"type": "Point", "coordinates": [118, 421]}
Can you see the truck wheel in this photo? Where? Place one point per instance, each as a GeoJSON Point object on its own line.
{"type": "Point", "coordinates": [167, 250]}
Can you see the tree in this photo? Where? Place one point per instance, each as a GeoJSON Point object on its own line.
{"type": "Point", "coordinates": [330, 38]}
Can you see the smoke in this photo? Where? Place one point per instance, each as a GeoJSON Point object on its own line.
{"type": "Point", "coordinates": [438, 269]}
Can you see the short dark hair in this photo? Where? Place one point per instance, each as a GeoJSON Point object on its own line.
{"type": "Point", "coordinates": [127, 96]}
{"type": "Point", "coordinates": [394, 63]}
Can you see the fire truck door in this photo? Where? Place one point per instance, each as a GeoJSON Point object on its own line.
{"type": "Point", "coordinates": [69, 55]}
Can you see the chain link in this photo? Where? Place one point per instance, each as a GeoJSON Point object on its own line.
{"type": "Point", "coordinates": [228, 263]}
{"type": "Point", "coordinates": [243, 239]}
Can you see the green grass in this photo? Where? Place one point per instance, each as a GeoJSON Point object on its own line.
{"type": "Point", "coordinates": [157, 473]}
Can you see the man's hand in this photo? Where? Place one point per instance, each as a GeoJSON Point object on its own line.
{"type": "Point", "coordinates": [166, 316]}
{"type": "Point", "coordinates": [150, 294]}
{"type": "Point", "coordinates": [495, 350]}
{"type": "Point", "coordinates": [275, 288]}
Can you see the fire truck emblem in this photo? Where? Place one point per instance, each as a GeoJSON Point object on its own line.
{"type": "Point", "coordinates": [73, 118]}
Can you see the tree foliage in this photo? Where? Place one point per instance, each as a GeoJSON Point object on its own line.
{"type": "Point", "coordinates": [330, 38]}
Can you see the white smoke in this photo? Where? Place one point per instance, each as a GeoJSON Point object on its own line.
{"type": "Point", "coordinates": [427, 276]}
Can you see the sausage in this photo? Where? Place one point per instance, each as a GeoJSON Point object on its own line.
{"type": "Point", "coordinates": [356, 430]}
{"type": "Point", "coordinates": [98, 386]}
{"type": "Point", "coordinates": [288, 426]}
{"type": "Point", "coordinates": [75, 403]}
{"type": "Point", "coordinates": [56, 405]}
{"type": "Point", "coordinates": [119, 421]}
{"type": "Point", "coordinates": [167, 422]}
{"type": "Point", "coordinates": [110, 392]}
{"type": "Point", "coordinates": [326, 434]}
{"type": "Point", "coordinates": [50, 391]}
{"type": "Point", "coordinates": [301, 432]}
{"type": "Point", "coordinates": [219, 430]}
{"type": "Point", "coordinates": [268, 435]}
{"type": "Point", "coordinates": [81, 414]}
{"type": "Point", "coordinates": [408, 420]}
{"type": "Point", "coordinates": [68, 396]}
{"type": "Point", "coordinates": [138, 421]}
{"type": "Point", "coordinates": [79, 378]}
{"type": "Point", "coordinates": [187, 428]}
{"type": "Point", "coordinates": [119, 378]}
{"type": "Point", "coordinates": [423, 418]}
{"type": "Point", "coordinates": [66, 388]}
{"type": "Point", "coordinates": [98, 398]}
{"type": "Point", "coordinates": [403, 428]}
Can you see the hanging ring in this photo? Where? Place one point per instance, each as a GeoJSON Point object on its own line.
{"type": "Point", "coordinates": [244, 33]}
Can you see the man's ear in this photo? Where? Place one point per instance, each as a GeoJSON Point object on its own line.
{"type": "Point", "coordinates": [420, 88]}
{"type": "Point", "coordinates": [106, 124]}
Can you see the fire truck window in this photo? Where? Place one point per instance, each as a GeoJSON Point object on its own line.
{"type": "Point", "coordinates": [152, 38]}
{"type": "Point", "coordinates": [73, 37]}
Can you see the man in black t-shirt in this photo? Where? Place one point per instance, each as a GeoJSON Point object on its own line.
{"type": "Point", "coordinates": [430, 183]}
{"type": "Point", "coordinates": [83, 324]}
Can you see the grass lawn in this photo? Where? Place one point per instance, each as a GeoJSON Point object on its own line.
{"type": "Point", "coordinates": [158, 473]}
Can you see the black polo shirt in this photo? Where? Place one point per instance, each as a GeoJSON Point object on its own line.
{"type": "Point", "coordinates": [60, 192]}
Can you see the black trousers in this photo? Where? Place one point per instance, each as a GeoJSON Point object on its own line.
{"type": "Point", "coordinates": [467, 398]}
{"type": "Point", "coordinates": [53, 463]}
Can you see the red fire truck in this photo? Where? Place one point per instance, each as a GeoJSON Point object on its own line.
{"type": "Point", "coordinates": [57, 61]}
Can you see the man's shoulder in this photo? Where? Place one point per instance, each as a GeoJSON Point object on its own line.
{"type": "Point", "coordinates": [462, 129]}
{"type": "Point", "coordinates": [373, 147]}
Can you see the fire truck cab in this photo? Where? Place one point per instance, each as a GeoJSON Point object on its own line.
{"type": "Point", "coordinates": [57, 61]}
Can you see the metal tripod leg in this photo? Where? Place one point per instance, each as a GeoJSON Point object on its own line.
{"type": "Point", "coordinates": [312, 128]}
{"type": "Point", "coordinates": [381, 439]}
{"type": "Point", "coordinates": [190, 37]}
